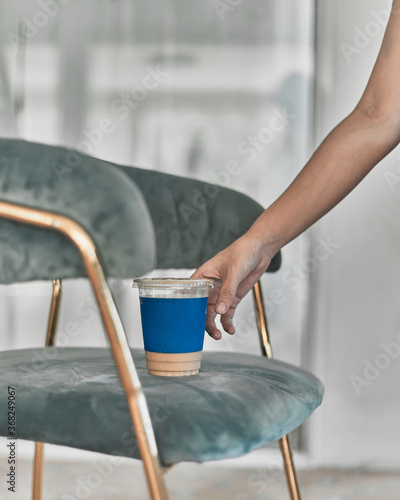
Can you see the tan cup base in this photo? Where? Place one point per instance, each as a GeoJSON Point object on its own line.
{"type": "Point", "coordinates": [173, 364]}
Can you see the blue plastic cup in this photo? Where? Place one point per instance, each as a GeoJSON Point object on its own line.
{"type": "Point", "coordinates": [173, 312]}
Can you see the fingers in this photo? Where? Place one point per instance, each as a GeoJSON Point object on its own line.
{"type": "Point", "coordinates": [227, 321]}
{"type": "Point", "coordinates": [222, 300]}
{"type": "Point", "coordinates": [211, 327]}
{"type": "Point", "coordinates": [224, 297]}
{"type": "Point", "coordinates": [206, 272]}
{"type": "Point", "coordinates": [247, 284]}
{"type": "Point", "coordinates": [234, 270]}
{"type": "Point", "coordinates": [243, 288]}
{"type": "Point", "coordinates": [227, 293]}
{"type": "Point", "coordinates": [197, 274]}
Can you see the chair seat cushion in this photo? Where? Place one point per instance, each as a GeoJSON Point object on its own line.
{"type": "Point", "coordinates": [73, 397]}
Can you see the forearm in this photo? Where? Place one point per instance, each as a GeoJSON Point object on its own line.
{"type": "Point", "coordinates": [343, 159]}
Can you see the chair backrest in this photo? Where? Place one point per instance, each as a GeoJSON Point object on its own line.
{"type": "Point", "coordinates": [193, 220]}
{"type": "Point", "coordinates": [139, 219]}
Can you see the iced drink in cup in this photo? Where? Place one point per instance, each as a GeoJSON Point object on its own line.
{"type": "Point", "coordinates": [173, 312]}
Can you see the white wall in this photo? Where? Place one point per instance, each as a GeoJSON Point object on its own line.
{"type": "Point", "coordinates": [356, 291]}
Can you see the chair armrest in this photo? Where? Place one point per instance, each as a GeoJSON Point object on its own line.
{"type": "Point", "coordinates": [87, 190]}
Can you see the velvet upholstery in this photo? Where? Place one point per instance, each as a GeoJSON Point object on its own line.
{"type": "Point", "coordinates": [139, 219]}
{"type": "Point", "coordinates": [193, 220]}
{"type": "Point", "coordinates": [94, 194]}
{"type": "Point", "coordinates": [73, 397]}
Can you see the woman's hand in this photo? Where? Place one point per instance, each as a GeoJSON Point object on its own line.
{"type": "Point", "coordinates": [237, 269]}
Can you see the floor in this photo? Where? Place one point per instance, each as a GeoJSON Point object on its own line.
{"type": "Point", "coordinates": [111, 481]}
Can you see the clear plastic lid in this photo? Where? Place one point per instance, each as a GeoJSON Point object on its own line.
{"type": "Point", "coordinates": [172, 283]}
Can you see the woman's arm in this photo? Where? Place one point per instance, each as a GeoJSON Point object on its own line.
{"type": "Point", "coordinates": [343, 159]}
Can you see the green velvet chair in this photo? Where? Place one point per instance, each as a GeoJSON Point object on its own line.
{"type": "Point", "coordinates": [67, 215]}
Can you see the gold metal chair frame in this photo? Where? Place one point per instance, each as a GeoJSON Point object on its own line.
{"type": "Point", "coordinates": [120, 349]}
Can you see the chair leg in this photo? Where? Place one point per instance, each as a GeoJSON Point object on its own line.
{"type": "Point", "coordinates": [50, 339]}
{"type": "Point", "coordinates": [267, 352]}
{"type": "Point", "coordinates": [37, 472]}
{"type": "Point", "coordinates": [290, 471]}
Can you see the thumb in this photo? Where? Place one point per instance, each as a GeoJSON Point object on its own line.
{"type": "Point", "coordinates": [226, 294]}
